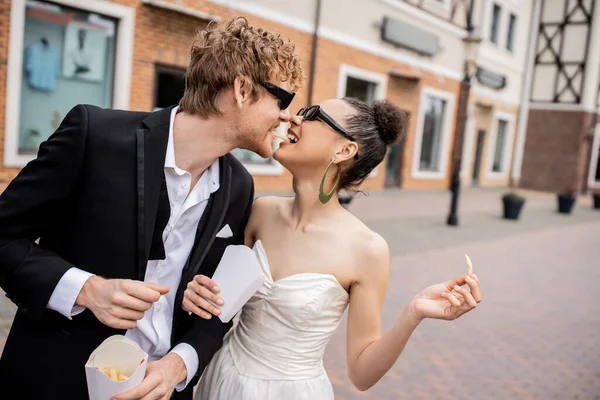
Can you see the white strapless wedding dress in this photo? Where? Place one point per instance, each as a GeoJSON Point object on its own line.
{"type": "Point", "coordinates": [276, 349]}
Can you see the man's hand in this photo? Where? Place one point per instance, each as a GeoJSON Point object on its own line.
{"type": "Point", "coordinates": [199, 290]}
{"type": "Point", "coordinates": [119, 303]}
{"type": "Point", "coordinates": [161, 378]}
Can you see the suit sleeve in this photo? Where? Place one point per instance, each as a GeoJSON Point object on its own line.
{"type": "Point", "coordinates": [29, 273]}
{"type": "Point", "coordinates": [206, 336]}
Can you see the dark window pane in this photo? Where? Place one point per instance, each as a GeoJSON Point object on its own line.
{"type": "Point", "coordinates": [495, 23]}
{"type": "Point", "coordinates": [510, 38]}
{"type": "Point", "coordinates": [432, 134]}
{"type": "Point", "coordinates": [362, 90]}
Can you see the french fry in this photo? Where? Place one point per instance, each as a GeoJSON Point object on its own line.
{"type": "Point", "coordinates": [114, 374]}
{"type": "Point", "coordinates": [469, 265]}
{"type": "Point", "coordinates": [278, 135]}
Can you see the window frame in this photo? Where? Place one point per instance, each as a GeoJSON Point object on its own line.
{"type": "Point", "coordinates": [496, 40]}
{"type": "Point", "coordinates": [595, 159]}
{"type": "Point", "coordinates": [508, 145]}
{"type": "Point", "coordinates": [380, 81]}
{"type": "Point", "coordinates": [125, 17]}
{"type": "Point", "coordinates": [511, 34]}
{"type": "Point", "coordinates": [447, 130]}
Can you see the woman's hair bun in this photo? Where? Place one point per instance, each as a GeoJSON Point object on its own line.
{"type": "Point", "coordinates": [391, 122]}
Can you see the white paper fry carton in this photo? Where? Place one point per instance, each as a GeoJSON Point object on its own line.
{"type": "Point", "coordinates": [115, 352]}
{"type": "Point", "coordinates": [239, 276]}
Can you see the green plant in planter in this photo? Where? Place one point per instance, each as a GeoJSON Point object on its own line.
{"type": "Point", "coordinates": [513, 204]}
{"type": "Point", "coordinates": [513, 195]}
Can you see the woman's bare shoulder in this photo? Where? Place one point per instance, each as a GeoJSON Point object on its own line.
{"type": "Point", "coordinates": [370, 249]}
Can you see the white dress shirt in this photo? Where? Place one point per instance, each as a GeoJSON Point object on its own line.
{"type": "Point", "coordinates": [153, 332]}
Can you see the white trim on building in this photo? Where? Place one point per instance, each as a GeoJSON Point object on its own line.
{"type": "Point", "coordinates": [344, 39]}
{"type": "Point", "coordinates": [271, 169]}
{"type": "Point", "coordinates": [467, 150]}
{"type": "Point", "coordinates": [595, 159]}
{"type": "Point", "coordinates": [379, 80]}
{"type": "Point", "coordinates": [122, 74]}
{"type": "Point", "coordinates": [427, 18]}
{"type": "Point", "coordinates": [508, 145]}
{"type": "Point", "coordinates": [447, 130]}
{"type": "Point", "coordinates": [560, 107]}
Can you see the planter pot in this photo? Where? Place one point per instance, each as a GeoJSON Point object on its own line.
{"type": "Point", "coordinates": [512, 207]}
{"type": "Point", "coordinates": [565, 204]}
{"type": "Point", "coordinates": [597, 201]}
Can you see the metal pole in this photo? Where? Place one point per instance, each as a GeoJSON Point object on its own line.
{"type": "Point", "coordinates": [461, 123]}
{"type": "Point", "coordinates": [313, 53]}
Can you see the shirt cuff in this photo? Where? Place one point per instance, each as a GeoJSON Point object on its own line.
{"type": "Point", "coordinates": [66, 291]}
{"type": "Point", "coordinates": [190, 359]}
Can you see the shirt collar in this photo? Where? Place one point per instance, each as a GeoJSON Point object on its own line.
{"type": "Point", "coordinates": [170, 156]}
{"type": "Point", "coordinates": [210, 177]}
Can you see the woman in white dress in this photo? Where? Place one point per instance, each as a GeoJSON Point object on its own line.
{"type": "Point", "coordinates": [317, 259]}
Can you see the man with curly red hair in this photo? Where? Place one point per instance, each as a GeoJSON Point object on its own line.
{"type": "Point", "coordinates": [128, 207]}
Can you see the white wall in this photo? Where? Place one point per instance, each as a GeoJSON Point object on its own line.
{"type": "Point", "coordinates": [356, 23]}
{"type": "Point", "coordinates": [496, 57]}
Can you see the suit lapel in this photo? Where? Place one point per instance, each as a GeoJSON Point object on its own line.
{"type": "Point", "coordinates": [151, 150]}
{"type": "Point", "coordinates": [211, 222]}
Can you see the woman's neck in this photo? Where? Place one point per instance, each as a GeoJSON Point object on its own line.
{"type": "Point", "coordinates": [307, 209]}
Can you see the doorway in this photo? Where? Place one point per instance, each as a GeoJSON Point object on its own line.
{"type": "Point", "coordinates": [478, 156]}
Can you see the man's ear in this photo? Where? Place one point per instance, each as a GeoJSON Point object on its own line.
{"type": "Point", "coordinates": [242, 90]}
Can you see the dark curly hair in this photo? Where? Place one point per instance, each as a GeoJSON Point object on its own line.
{"type": "Point", "coordinates": [374, 128]}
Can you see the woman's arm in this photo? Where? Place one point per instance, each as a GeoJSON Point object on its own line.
{"type": "Point", "coordinates": [370, 355]}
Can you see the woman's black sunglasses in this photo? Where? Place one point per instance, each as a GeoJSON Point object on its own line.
{"type": "Point", "coordinates": [316, 112]}
{"type": "Point", "coordinates": [285, 98]}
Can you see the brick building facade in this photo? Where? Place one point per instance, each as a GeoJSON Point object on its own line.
{"type": "Point", "coordinates": [561, 123]}
{"type": "Point", "coordinates": [150, 41]}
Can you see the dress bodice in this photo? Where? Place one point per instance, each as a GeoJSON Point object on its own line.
{"type": "Point", "coordinates": [284, 328]}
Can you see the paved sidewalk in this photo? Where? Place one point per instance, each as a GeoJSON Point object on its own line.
{"type": "Point", "coordinates": [535, 335]}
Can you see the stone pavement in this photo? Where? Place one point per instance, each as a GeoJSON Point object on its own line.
{"type": "Point", "coordinates": [533, 336]}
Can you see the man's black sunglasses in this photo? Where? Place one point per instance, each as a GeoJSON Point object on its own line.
{"type": "Point", "coordinates": [285, 98]}
{"type": "Point", "coordinates": [316, 112]}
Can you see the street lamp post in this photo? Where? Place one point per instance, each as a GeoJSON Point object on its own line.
{"type": "Point", "coordinates": [471, 43]}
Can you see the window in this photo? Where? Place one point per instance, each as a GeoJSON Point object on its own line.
{"type": "Point", "coordinates": [362, 90]}
{"type": "Point", "coordinates": [362, 84]}
{"type": "Point", "coordinates": [169, 86]}
{"type": "Point", "coordinates": [61, 56]}
{"type": "Point", "coordinates": [68, 58]}
{"type": "Point", "coordinates": [510, 37]}
{"type": "Point", "coordinates": [494, 33]}
{"type": "Point", "coordinates": [594, 172]}
{"type": "Point", "coordinates": [500, 146]}
{"type": "Point", "coordinates": [429, 159]}
{"type": "Point", "coordinates": [497, 165]}
{"type": "Point", "coordinates": [434, 127]}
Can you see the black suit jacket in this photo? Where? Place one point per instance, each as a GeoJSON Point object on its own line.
{"type": "Point", "coordinates": [92, 199]}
